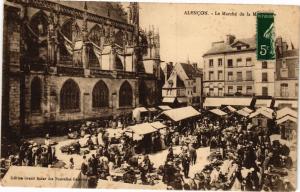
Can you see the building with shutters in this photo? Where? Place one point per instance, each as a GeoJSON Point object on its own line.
{"type": "Point", "coordinates": [287, 73]}
{"type": "Point", "coordinates": [67, 61]}
{"type": "Point", "coordinates": [231, 69]}
{"type": "Point", "coordinates": [183, 86]}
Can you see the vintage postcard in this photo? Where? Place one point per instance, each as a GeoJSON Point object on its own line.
{"type": "Point", "coordinates": [149, 95]}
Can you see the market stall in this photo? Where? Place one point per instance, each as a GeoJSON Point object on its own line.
{"type": "Point", "coordinates": [159, 126]}
{"type": "Point", "coordinates": [288, 127]}
{"type": "Point", "coordinates": [152, 111]}
{"type": "Point", "coordinates": [242, 113]}
{"type": "Point", "coordinates": [286, 111]}
{"type": "Point", "coordinates": [229, 109]}
{"type": "Point", "coordinates": [164, 107]}
{"type": "Point", "coordinates": [232, 101]}
{"type": "Point", "coordinates": [218, 112]}
{"type": "Point", "coordinates": [142, 133]}
{"type": "Point", "coordinates": [180, 114]}
{"type": "Point", "coordinates": [139, 113]}
{"type": "Point", "coordinates": [261, 118]}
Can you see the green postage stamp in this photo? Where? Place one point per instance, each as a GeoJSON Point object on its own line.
{"type": "Point", "coordinates": [265, 36]}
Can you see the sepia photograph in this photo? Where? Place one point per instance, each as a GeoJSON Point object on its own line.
{"type": "Point", "coordinates": [137, 95]}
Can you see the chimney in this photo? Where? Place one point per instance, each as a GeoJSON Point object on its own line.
{"type": "Point", "coordinates": [195, 65]}
{"type": "Point", "coordinates": [167, 70]}
{"type": "Point", "coordinates": [230, 39]}
{"type": "Point", "coordinates": [278, 44]}
{"type": "Point", "coordinates": [284, 47]}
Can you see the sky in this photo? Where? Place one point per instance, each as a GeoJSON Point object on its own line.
{"type": "Point", "coordinates": [184, 37]}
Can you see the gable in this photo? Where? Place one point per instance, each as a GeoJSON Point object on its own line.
{"type": "Point", "coordinates": [240, 44]}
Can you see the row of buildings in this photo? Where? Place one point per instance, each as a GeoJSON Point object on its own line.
{"type": "Point", "coordinates": [231, 70]}
{"type": "Point", "coordinates": [67, 61]}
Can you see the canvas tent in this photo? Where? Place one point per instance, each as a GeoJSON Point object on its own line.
{"type": "Point", "coordinates": [180, 114]}
{"type": "Point", "coordinates": [247, 110]}
{"type": "Point", "coordinates": [286, 111]}
{"type": "Point", "coordinates": [141, 129]}
{"type": "Point", "coordinates": [286, 118]}
{"type": "Point", "coordinates": [261, 118]}
{"type": "Point", "coordinates": [168, 100]}
{"type": "Point", "coordinates": [230, 108]}
{"type": "Point", "coordinates": [164, 107]}
{"type": "Point", "coordinates": [217, 102]}
{"type": "Point", "coordinates": [218, 112]}
{"type": "Point", "coordinates": [136, 113]}
{"type": "Point", "coordinates": [40, 177]}
{"type": "Point", "coordinates": [152, 109]}
{"type": "Point", "coordinates": [288, 127]}
{"type": "Point", "coordinates": [242, 113]}
{"type": "Point", "coordinates": [261, 112]}
{"type": "Point", "coordinates": [158, 125]}
{"type": "Point", "coordinates": [269, 110]}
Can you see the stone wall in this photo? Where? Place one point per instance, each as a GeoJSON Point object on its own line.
{"type": "Point", "coordinates": [51, 99]}
{"type": "Point", "coordinates": [11, 65]}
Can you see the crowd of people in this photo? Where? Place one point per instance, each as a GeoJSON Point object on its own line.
{"type": "Point", "coordinates": [242, 156]}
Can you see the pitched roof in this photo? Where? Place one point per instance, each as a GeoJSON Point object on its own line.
{"type": "Point", "coordinates": [291, 53]}
{"type": "Point", "coordinates": [262, 112]}
{"type": "Point", "coordinates": [286, 111]}
{"type": "Point", "coordinates": [218, 112]}
{"type": "Point", "coordinates": [223, 47]}
{"type": "Point", "coordinates": [286, 118]}
{"type": "Point", "coordinates": [98, 8]}
{"type": "Point", "coordinates": [190, 70]}
{"type": "Point", "coordinates": [181, 113]}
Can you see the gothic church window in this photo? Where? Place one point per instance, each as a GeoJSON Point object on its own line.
{"type": "Point", "coordinates": [93, 59]}
{"type": "Point", "coordinates": [38, 30]}
{"type": "Point", "coordinates": [119, 38]}
{"type": "Point", "coordinates": [118, 62]}
{"type": "Point", "coordinates": [36, 94]}
{"type": "Point", "coordinates": [71, 30]}
{"type": "Point", "coordinates": [96, 35]}
{"type": "Point", "coordinates": [100, 95]}
{"type": "Point", "coordinates": [70, 96]}
{"type": "Point", "coordinates": [39, 24]}
{"type": "Point", "coordinates": [125, 95]}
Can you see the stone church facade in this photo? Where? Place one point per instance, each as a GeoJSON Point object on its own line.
{"type": "Point", "coordinates": [69, 61]}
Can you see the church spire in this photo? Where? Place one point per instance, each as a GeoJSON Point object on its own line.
{"type": "Point", "coordinates": [84, 24]}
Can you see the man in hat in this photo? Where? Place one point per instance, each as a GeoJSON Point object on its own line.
{"type": "Point", "coordinates": [84, 166]}
{"type": "Point", "coordinates": [90, 143]}
{"type": "Point", "coordinates": [170, 155]}
{"type": "Point", "coordinates": [76, 147]}
{"type": "Point", "coordinates": [186, 165]}
{"type": "Point", "coordinates": [169, 172]}
{"type": "Point", "coordinates": [47, 140]}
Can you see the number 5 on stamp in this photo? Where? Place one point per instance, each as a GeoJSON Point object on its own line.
{"type": "Point", "coordinates": [265, 36]}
